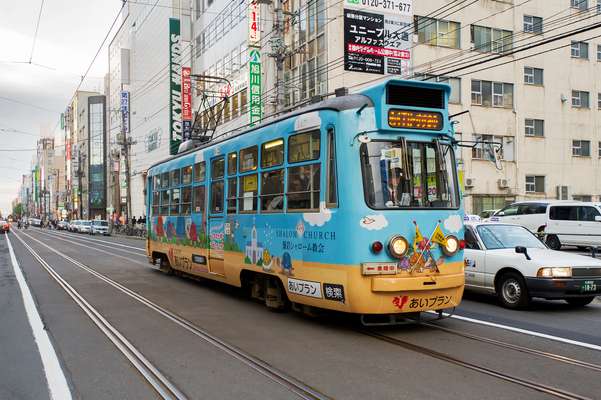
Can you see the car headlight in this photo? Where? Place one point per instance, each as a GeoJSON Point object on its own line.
{"type": "Point", "coordinates": [451, 246]}
{"type": "Point", "coordinates": [398, 246]}
{"type": "Point", "coordinates": [554, 272]}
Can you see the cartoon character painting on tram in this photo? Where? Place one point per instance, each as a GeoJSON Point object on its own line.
{"type": "Point", "coordinates": [351, 204]}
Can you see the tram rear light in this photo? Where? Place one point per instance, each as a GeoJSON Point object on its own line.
{"type": "Point", "coordinates": [377, 247]}
{"type": "Point", "coordinates": [461, 244]}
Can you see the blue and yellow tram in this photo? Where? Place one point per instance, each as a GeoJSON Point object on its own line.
{"type": "Point", "coordinates": [350, 204]}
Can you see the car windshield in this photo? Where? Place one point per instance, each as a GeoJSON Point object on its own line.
{"type": "Point", "coordinates": [507, 237]}
{"type": "Point", "coordinates": [86, 223]}
{"type": "Point", "coordinates": [399, 175]}
{"type": "Point", "coordinates": [100, 223]}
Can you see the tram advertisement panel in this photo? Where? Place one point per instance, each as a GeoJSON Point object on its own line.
{"type": "Point", "coordinates": [376, 43]}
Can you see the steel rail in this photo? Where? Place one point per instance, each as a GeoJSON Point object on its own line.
{"type": "Point", "coordinates": [552, 391]}
{"type": "Point", "coordinates": [522, 349]}
{"type": "Point", "coordinates": [299, 388]}
{"type": "Point", "coordinates": [159, 382]}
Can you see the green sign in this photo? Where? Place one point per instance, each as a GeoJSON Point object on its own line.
{"type": "Point", "coordinates": [254, 68]}
{"type": "Point", "coordinates": [175, 86]}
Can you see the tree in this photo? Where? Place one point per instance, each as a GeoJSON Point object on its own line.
{"type": "Point", "coordinates": [18, 210]}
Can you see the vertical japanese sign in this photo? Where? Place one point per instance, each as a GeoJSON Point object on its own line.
{"type": "Point", "coordinates": [254, 33]}
{"type": "Point", "coordinates": [175, 86]}
{"type": "Point", "coordinates": [125, 112]}
{"type": "Point", "coordinates": [378, 42]}
{"type": "Point", "coordinates": [186, 103]}
{"type": "Point", "coordinates": [254, 85]}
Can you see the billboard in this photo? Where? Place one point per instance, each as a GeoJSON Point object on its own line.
{"type": "Point", "coordinates": [377, 42]}
{"type": "Point", "coordinates": [175, 86]}
{"type": "Point", "coordinates": [125, 112]}
{"type": "Point", "coordinates": [186, 103]}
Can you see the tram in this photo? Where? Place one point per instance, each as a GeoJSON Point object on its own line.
{"type": "Point", "coordinates": [350, 204]}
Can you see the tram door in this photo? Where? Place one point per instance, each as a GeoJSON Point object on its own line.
{"type": "Point", "coordinates": [216, 218]}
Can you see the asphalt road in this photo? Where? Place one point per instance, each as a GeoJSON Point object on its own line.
{"type": "Point", "coordinates": [330, 354]}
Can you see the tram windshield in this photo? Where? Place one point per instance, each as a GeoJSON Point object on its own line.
{"type": "Point", "coordinates": [409, 175]}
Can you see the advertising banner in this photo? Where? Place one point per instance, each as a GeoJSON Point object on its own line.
{"type": "Point", "coordinates": [377, 43]}
{"type": "Point", "coordinates": [254, 85]}
{"type": "Point", "coordinates": [175, 86]}
{"type": "Point", "coordinates": [381, 6]}
{"type": "Point", "coordinates": [125, 112]}
{"type": "Point", "coordinates": [186, 103]}
{"type": "Point", "coordinates": [254, 33]}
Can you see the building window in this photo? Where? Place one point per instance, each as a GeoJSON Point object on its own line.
{"type": "Point", "coordinates": [487, 145]}
{"type": "Point", "coordinates": [580, 99]}
{"type": "Point", "coordinates": [599, 101]}
{"type": "Point", "coordinates": [533, 76]}
{"type": "Point", "coordinates": [535, 184]}
{"type": "Point", "coordinates": [535, 127]}
{"type": "Point", "coordinates": [489, 203]}
{"type": "Point", "coordinates": [599, 150]}
{"type": "Point", "coordinates": [581, 148]}
{"type": "Point", "coordinates": [599, 47]}
{"type": "Point", "coordinates": [579, 4]}
{"type": "Point", "coordinates": [491, 40]}
{"type": "Point", "coordinates": [438, 32]}
{"type": "Point", "coordinates": [583, 197]}
{"type": "Point", "coordinates": [533, 24]}
{"type": "Point", "coordinates": [492, 94]}
{"type": "Point", "coordinates": [579, 50]}
{"type": "Point", "coordinates": [598, 6]}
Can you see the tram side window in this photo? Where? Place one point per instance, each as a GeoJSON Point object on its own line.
{"type": "Point", "coordinates": [175, 201]}
{"type": "Point", "coordinates": [303, 147]}
{"type": "Point", "coordinates": [248, 159]}
{"type": "Point", "coordinates": [247, 200]}
{"type": "Point", "coordinates": [272, 153]}
{"type": "Point", "coordinates": [186, 200]}
{"type": "Point", "coordinates": [165, 180]}
{"type": "Point", "coordinates": [175, 177]}
{"type": "Point", "coordinates": [217, 168]}
{"type": "Point", "coordinates": [303, 187]}
{"type": "Point", "coordinates": [217, 197]}
{"type": "Point", "coordinates": [272, 191]}
{"type": "Point", "coordinates": [199, 171]}
{"type": "Point", "coordinates": [156, 185]}
{"type": "Point", "coordinates": [187, 175]}
{"type": "Point", "coordinates": [164, 202]}
{"type": "Point", "coordinates": [232, 191]}
{"type": "Point", "coordinates": [155, 202]}
{"type": "Point", "coordinates": [332, 189]}
{"type": "Point", "coordinates": [199, 199]}
{"type": "Point", "coordinates": [232, 163]}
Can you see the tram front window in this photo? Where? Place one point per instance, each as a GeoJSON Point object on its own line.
{"type": "Point", "coordinates": [411, 175]}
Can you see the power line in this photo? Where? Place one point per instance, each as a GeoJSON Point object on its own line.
{"type": "Point", "coordinates": [35, 35]}
{"type": "Point", "coordinates": [29, 105]}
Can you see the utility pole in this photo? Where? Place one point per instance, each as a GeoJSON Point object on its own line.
{"type": "Point", "coordinates": [278, 53]}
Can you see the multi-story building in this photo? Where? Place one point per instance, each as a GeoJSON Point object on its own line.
{"type": "Point", "coordinates": [45, 168]}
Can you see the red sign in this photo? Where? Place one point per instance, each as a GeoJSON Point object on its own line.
{"type": "Point", "coordinates": [378, 51]}
{"type": "Point", "coordinates": [68, 149]}
{"type": "Point", "coordinates": [186, 94]}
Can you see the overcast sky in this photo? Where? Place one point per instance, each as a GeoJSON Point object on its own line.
{"type": "Point", "coordinates": [69, 34]}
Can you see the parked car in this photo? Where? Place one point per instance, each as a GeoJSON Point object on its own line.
{"type": "Point", "coordinates": [4, 227]}
{"type": "Point", "coordinates": [72, 227]}
{"type": "Point", "coordinates": [35, 222]}
{"type": "Point", "coordinates": [575, 224]}
{"type": "Point", "coordinates": [487, 213]}
{"type": "Point", "coordinates": [512, 263]}
{"type": "Point", "coordinates": [62, 225]}
{"type": "Point", "coordinates": [529, 214]}
{"type": "Point", "coordinates": [84, 226]}
{"type": "Point", "coordinates": [99, 226]}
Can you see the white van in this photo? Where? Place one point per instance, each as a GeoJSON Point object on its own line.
{"type": "Point", "coordinates": [574, 224]}
{"type": "Point", "coordinates": [529, 214]}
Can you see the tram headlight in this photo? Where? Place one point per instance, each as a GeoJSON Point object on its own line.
{"type": "Point", "coordinates": [451, 247]}
{"type": "Point", "coordinates": [398, 246]}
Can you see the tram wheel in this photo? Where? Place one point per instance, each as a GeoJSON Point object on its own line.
{"type": "Point", "coordinates": [275, 296]}
{"type": "Point", "coordinates": [165, 266]}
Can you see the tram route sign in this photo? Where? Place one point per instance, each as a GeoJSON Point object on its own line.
{"type": "Point", "coordinates": [254, 86]}
{"type": "Point", "coordinates": [377, 43]}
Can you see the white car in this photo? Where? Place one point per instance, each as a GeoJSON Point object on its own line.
{"type": "Point", "coordinates": [529, 214]}
{"type": "Point", "coordinates": [84, 226]}
{"type": "Point", "coordinates": [575, 224]}
{"type": "Point", "coordinates": [509, 261]}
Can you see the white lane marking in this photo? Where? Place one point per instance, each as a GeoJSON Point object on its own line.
{"type": "Point", "coordinates": [55, 377]}
{"type": "Point", "coordinates": [523, 331]}
{"type": "Point", "coordinates": [83, 240]}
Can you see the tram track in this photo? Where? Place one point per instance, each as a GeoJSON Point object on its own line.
{"type": "Point", "coordinates": [299, 388]}
{"type": "Point", "coordinates": [540, 387]}
{"type": "Point", "coordinates": [159, 382]}
{"type": "Point", "coordinates": [114, 246]}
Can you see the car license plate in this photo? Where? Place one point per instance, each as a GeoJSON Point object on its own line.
{"type": "Point", "coordinates": [588, 286]}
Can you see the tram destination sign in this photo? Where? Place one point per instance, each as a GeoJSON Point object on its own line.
{"type": "Point", "coordinates": [409, 119]}
{"type": "Point", "coordinates": [377, 43]}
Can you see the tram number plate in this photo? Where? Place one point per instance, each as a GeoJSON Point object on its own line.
{"type": "Point", "coordinates": [304, 288]}
{"type": "Point", "coordinates": [588, 286]}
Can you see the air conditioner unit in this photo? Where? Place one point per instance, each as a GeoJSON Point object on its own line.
{"type": "Point", "coordinates": [563, 192]}
{"type": "Point", "coordinates": [503, 183]}
{"type": "Point", "coordinates": [470, 182]}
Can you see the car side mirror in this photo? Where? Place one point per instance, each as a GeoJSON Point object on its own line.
{"type": "Point", "coordinates": [500, 213]}
{"type": "Point", "coordinates": [522, 250]}
{"type": "Point", "coordinates": [598, 218]}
